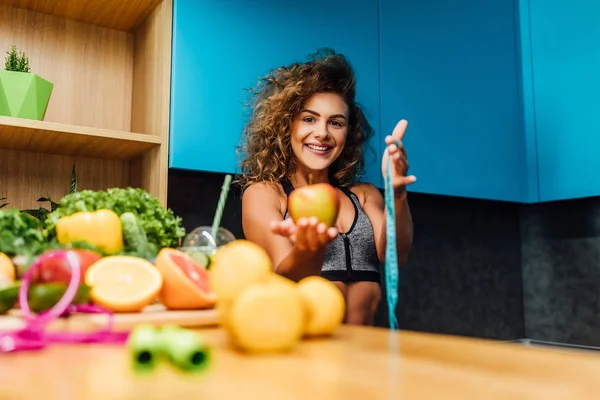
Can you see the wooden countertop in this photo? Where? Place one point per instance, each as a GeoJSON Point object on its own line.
{"type": "Point", "coordinates": [357, 363]}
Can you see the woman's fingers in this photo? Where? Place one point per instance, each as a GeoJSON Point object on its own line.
{"type": "Point", "coordinates": [396, 153]}
{"type": "Point", "coordinates": [276, 227]}
{"type": "Point", "coordinates": [395, 148]}
{"type": "Point", "coordinates": [311, 235]}
{"type": "Point", "coordinates": [398, 156]}
{"type": "Point", "coordinates": [332, 233]}
{"type": "Point", "coordinates": [325, 234]}
{"type": "Point", "coordinates": [308, 234]}
{"type": "Point", "coordinates": [400, 129]}
{"type": "Point", "coordinates": [321, 234]}
{"type": "Point", "coordinates": [403, 181]}
{"type": "Point", "coordinates": [393, 144]}
{"type": "Point", "coordinates": [301, 234]}
{"type": "Point", "coordinates": [284, 228]}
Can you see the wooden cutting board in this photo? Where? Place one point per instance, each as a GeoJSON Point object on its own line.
{"type": "Point", "coordinates": [155, 314]}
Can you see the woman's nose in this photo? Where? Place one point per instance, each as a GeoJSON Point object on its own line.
{"type": "Point", "coordinates": [322, 131]}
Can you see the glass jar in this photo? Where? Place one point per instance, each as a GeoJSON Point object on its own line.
{"type": "Point", "coordinates": [201, 245]}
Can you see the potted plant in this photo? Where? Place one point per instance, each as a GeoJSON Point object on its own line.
{"type": "Point", "coordinates": [22, 94]}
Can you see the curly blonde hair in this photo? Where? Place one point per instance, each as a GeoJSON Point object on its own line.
{"type": "Point", "coordinates": [276, 101]}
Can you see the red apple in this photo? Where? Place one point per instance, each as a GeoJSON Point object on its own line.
{"type": "Point", "coordinates": [319, 200]}
{"type": "Point", "coordinates": [58, 270]}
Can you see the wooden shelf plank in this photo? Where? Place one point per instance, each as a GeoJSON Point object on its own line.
{"type": "Point", "coordinates": [124, 15]}
{"type": "Point", "coordinates": [70, 140]}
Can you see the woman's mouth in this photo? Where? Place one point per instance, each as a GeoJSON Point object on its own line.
{"type": "Point", "coordinates": [318, 149]}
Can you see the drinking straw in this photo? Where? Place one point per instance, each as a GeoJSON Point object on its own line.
{"type": "Point", "coordinates": [220, 206]}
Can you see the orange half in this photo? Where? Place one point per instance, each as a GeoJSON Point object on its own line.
{"type": "Point", "coordinates": [186, 284]}
{"type": "Point", "coordinates": [123, 283]}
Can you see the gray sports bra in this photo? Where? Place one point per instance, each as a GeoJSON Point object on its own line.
{"type": "Point", "coordinates": [352, 255]}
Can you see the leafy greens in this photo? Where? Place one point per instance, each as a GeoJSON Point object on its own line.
{"type": "Point", "coordinates": [20, 233]}
{"type": "Point", "coordinates": [162, 227]}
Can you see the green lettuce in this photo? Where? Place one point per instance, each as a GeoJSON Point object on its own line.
{"type": "Point", "coordinates": [20, 233]}
{"type": "Point", "coordinates": [162, 227]}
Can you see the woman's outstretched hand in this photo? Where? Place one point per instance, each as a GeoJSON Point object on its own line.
{"type": "Point", "coordinates": [307, 235]}
{"type": "Point", "coordinates": [395, 149]}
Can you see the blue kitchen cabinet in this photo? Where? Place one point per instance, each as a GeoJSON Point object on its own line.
{"type": "Point", "coordinates": [562, 98]}
{"type": "Point", "coordinates": [452, 69]}
{"type": "Point", "coordinates": [221, 47]}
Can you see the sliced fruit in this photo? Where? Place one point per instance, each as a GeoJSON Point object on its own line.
{"type": "Point", "coordinates": [185, 283]}
{"type": "Point", "coordinates": [266, 317]}
{"type": "Point", "coordinates": [324, 303]}
{"type": "Point", "coordinates": [123, 283]}
{"type": "Point", "coordinates": [9, 296]}
{"type": "Point", "coordinates": [7, 270]}
{"type": "Point", "coordinates": [44, 296]}
{"type": "Point", "coordinates": [237, 265]}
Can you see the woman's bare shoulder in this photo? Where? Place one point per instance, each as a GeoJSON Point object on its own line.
{"type": "Point", "coordinates": [365, 191]}
{"type": "Point", "coordinates": [264, 189]}
{"type": "Point", "coordinates": [262, 194]}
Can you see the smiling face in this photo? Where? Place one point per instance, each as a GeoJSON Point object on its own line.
{"type": "Point", "coordinates": [319, 131]}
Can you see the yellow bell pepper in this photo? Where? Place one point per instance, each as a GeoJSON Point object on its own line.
{"type": "Point", "coordinates": [101, 228]}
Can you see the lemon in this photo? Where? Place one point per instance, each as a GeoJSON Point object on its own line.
{"type": "Point", "coordinates": [7, 271]}
{"type": "Point", "coordinates": [324, 303]}
{"type": "Point", "coordinates": [235, 266]}
{"type": "Point", "coordinates": [282, 280]}
{"type": "Point", "coordinates": [123, 283]}
{"type": "Point", "coordinates": [266, 317]}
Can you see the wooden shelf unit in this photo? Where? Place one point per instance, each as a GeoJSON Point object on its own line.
{"type": "Point", "coordinates": [125, 15]}
{"type": "Point", "coordinates": [110, 63]}
{"type": "Point", "coordinates": [69, 140]}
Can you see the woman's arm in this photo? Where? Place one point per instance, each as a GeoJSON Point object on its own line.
{"type": "Point", "coordinates": [296, 251]}
{"type": "Point", "coordinates": [404, 227]}
{"type": "Point", "coordinates": [299, 264]}
{"type": "Point", "coordinates": [395, 154]}
{"type": "Point", "coordinates": [374, 207]}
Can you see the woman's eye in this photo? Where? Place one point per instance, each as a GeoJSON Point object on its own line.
{"type": "Point", "coordinates": [309, 119]}
{"type": "Point", "coordinates": [337, 123]}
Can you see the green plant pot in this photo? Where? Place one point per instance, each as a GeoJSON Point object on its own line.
{"type": "Point", "coordinates": [24, 95]}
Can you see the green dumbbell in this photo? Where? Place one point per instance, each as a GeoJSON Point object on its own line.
{"type": "Point", "coordinates": [181, 347]}
{"type": "Point", "coordinates": [145, 346]}
{"type": "Point", "coordinates": [184, 349]}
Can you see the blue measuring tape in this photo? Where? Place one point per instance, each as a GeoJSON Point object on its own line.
{"type": "Point", "coordinates": [391, 253]}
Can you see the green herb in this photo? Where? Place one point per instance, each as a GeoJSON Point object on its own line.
{"type": "Point", "coordinates": [73, 187]}
{"type": "Point", "coordinates": [162, 227]}
{"type": "Point", "coordinates": [41, 213]}
{"type": "Point", "coordinates": [20, 233]}
{"type": "Point", "coordinates": [3, 204]}
{"type": "Point", "coordinates": [16, 61]}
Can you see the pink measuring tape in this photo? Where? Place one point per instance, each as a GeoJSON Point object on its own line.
{"type": "Point", "coordinates": [33, 336]}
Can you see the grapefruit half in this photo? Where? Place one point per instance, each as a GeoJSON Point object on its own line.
{"type": "Point", "coordinates": [185, 283]}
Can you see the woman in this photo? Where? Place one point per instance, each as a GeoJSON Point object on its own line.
{"type": "Point", "coordinates": [306, 123]}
